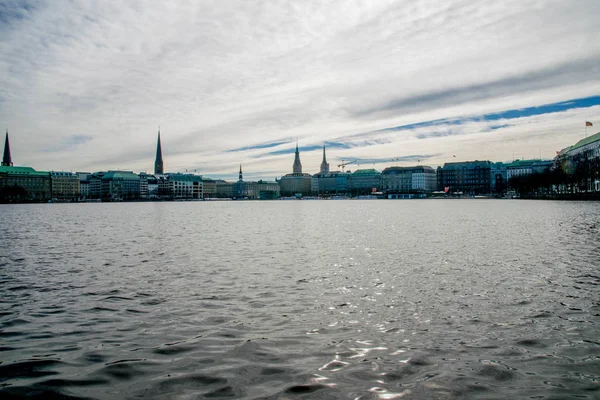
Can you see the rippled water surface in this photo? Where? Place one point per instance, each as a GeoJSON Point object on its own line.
{"type": "Point", "coordinates": [420, 299]}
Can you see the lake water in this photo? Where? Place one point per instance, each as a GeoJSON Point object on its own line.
{"type": "Point", "coordinates": [413, 299]}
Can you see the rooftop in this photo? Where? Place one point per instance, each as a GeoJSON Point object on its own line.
{"type": "Point", "coordinates": [22, 171]}
{"type": "Point", "coordinates": [330, 174]}
{"type": "Point", "coordinates": [185, 177]}
{"type": "Point", "coordinates": [467, 164]}
{"type": "Point", "coordinates": [590, 139]}
{"type": "Point", "coordinates": [528, 163]}
{"type": "Point", "coordinates": [370, 171]}
{"type": "Point", "coordinates": [295, 175]}
{"type": "Point", "coordinates": [125, 175]}
{"type": "Point", "coordinates": [63, 173]}
{"type": "Point", "coordinates": [397, 170]}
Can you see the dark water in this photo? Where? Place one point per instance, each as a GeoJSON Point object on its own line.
{"type": "Point", "coordinates": [428, 299]}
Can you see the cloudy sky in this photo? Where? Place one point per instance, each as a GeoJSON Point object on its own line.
{"type": "Point", "coordinates": [84, 85]}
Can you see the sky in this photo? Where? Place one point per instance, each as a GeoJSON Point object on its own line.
{"type": "Point", "coordinates": [85, 85]}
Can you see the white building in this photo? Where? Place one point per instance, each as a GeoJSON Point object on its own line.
{"type": "Point", "coordinates": [185, 186]}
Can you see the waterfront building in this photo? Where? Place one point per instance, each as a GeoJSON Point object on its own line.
{"type": "Point", "coordinates": [148, 186]}
{"type": "Point", "coordinates": [185, 186]}
{"type": "Point", "coordinates": [314, 184]}
{"type": "Point", "coordinates": [262, 190]}
{"type": "Point", "coordinates": [95, 186]}
{"type": "Point", "coordinates": [469, 177]}
{"type": "Point", "coordinates": [241, 189]}
{"type": "Point", "coordinates": [417, 179]}
{"type": "Point", "coordinates": [326, 182]}
{"type": "Point", "coordinates": [84, 189]}
{"type": "Point", "coordinates": [64, 185]}
{"type": "Point", "coordinates": [332, 183]}
{"type": "Point", "coordinates": [364, 181]}
{"type": "Point", "coordinates": [498, 178]}
{"type": "Point", "coordinates": [158, 162]}
{"type": "Point", "coordinates": [265, 190]}
{"type": "Point", "coordinates": [22, 183]}
{"type": "Point", "coordinates": [224, 189]}
{"type": "Point", "coordinates": [143, 185]}
{"type": "Point", "coordinates": [209, 188]}
{"type": "Point", "coordinates": [152, 187]}
{"type": "Point", "coordinates": [582, 162]}
{"type": "Point", "coordinates": [84, 184]}
{"type": "Point", "coordinates": [527, 167]}
{"type": "Point", "coordinates": [296, 183]}
{"type": "Point", "coordinates": [341, 182]}
{"type": "Point", "coordinates": [396, 180]}
{"type": "Point", "coordinates": [164, 189]}
{"type": "Point", "coordinates": [114, 186]}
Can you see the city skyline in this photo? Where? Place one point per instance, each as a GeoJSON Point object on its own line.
{"type": "Point", "coordinates": [84, 86]}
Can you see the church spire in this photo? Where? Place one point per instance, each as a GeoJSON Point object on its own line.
{"type": "Point", "coordinates": [324, 164]}
{"type": "Point", "coordinates": [297, 164]}
{"type": "Point", "coordinates": [158, 163]}
{"type": "Point", "coordinates": [240, 176]}
{"type": "Point", "coordinates": [7, 160]}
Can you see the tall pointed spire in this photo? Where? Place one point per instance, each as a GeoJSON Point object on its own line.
{"type": "Point", "coordinates": [158, 163]}
{"type": "Point", "coordinates": [324, 164]}
{"type": "Point", "coordinates": [297, 164]}
{"type": "Point", "coordinates": [7, 160]}
{"type": "Point", "coordinates": [240, 176]}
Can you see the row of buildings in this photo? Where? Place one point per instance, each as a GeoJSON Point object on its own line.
{"type": "Point", "coordinates": [19, 184]}
{"type": "Point", "coordinates": [467, 178]}
{"type": "Point", "coordinates": [392, 180]}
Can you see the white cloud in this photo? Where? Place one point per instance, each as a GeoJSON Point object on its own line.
{"type": "Point", "coordinates": [222, 75]}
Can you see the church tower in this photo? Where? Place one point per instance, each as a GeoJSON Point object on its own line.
{"type": "Point", "coordinates": [240, 176]}
{"type": "Point", "coordinates": [158, 163]}
{"type": "Point", "coordinates": [324, 164]}
{"type": "Point", "coordinates": [7, 160]}
{"type": "Point", "coordinates": [297, 164]}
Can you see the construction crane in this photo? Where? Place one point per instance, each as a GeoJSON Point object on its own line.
{"type": "Point", "coordinates": [343, 164]}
